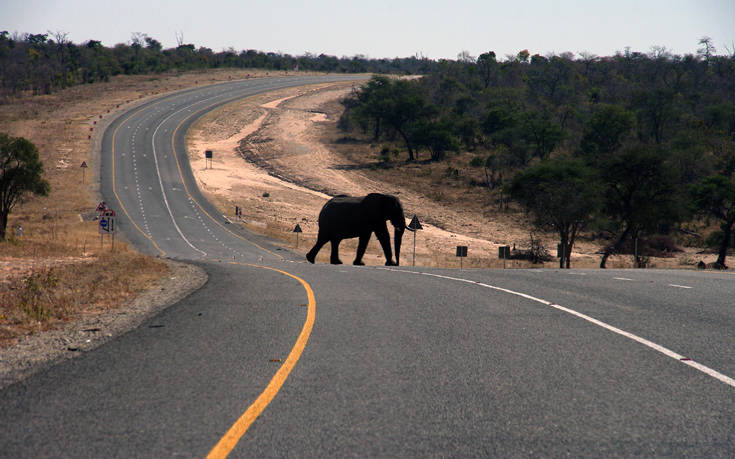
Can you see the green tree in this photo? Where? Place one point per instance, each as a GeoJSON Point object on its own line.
{"type": "Point", "coordinates": [541, 132]}
{"type": "Point", "coordinates": [488, 67]}
{"type": "Point", "coordinates": [437, 137]}
{"type": "Point", "coordinates": [715, 196]}
{"type": "Point", "coordinates": [399, 106]}
{"type": "Point", "coordinates": [497, 121]}
{"type": "Point", "coordinates": [605, 131]}
{"type": "Point", "coordinates": [371, 103]}
{"type": "Point", "coordinates": [406, 111]}
{"type": "Point", "coordinates": [20, 172]}
{"type": "Point", "coordinates": [562, 195]}
{"type": "Point", "coordinates": [640, 195]}
{"type": "Point", "coordinates": [656, 112]}
{"type": "Point", "coordinates": [507, 126]}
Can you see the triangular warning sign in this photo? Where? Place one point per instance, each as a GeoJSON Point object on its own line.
{"type": "Point", "coordinates": [297, 229]}
{"type": "Point", "coordinates": [415, 224]}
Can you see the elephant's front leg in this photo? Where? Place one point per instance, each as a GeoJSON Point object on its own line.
{"type": "Point", "coordinates": [334, 258]}
{"type": "Point", "coordinates": [382, 234]}
{"type": "Point", "coordinates": [361, 246]}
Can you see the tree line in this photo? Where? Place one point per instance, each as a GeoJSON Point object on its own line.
{"type": "Point", "coordinates": [625, 146]}
{"type": "Point", "coordinates": [43, 63]}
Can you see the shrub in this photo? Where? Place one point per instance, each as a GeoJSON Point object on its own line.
{"type": "Point", "coordinates": [477, 161]}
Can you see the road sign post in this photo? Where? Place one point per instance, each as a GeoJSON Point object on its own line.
{"type": "Point", "coordinates": [504, 253]}
{"type": "Point", "coordinates": [103, 228]}
{"type": "Point", "coordinates": [208, 157]}
{"type": "Point", "coordinates": [415, 225]}
{"type": "Point", "coordinates": [461, 253]}
{"type": "Point", "coordinates": [297, 230]}
{"type": "Point", "coordinates": [107, 226]}
{"type": "Point", "coordinates": [84, 169]}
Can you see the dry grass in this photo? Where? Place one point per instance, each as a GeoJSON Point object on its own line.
{"type": "Point", "coordinates": [60, 292]}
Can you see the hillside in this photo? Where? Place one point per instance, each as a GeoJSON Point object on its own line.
{"type": "Point", "coordinates": [280, 156]}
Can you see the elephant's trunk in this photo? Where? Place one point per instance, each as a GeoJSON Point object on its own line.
{"type": "Point", "coordinates": [397, 237]}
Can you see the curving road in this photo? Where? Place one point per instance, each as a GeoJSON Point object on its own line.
{"type": "Point", "coordinates": [274, 357]}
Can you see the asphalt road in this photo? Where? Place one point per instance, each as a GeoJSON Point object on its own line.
{"type": "Point", "coordinates": [383, 362]}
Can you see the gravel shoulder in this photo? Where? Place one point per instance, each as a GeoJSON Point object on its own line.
{"type": "Point", "coordinates": [36, 352]}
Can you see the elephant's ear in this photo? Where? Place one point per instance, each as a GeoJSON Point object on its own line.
{"type": "Point", "coordinates": [396, 216]}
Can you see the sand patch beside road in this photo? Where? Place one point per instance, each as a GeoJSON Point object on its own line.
{"type": "Point", "coordinates": [269, 160]}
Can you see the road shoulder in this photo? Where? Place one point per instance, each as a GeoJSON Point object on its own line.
{"type": "Point", "coordinates": [36, 352]}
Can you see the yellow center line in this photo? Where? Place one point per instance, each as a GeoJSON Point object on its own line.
{"type": "Point", "coordinates": [238, 429]}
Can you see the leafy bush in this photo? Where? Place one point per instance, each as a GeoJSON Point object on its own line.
{"type": "Point", "coordinates": [477, 161]}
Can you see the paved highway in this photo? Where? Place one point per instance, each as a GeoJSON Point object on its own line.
{"type": "Point", "coordinates": [275, 357]}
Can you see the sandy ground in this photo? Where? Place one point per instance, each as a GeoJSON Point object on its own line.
{"type": "Point", "coordinates": [273, 146]}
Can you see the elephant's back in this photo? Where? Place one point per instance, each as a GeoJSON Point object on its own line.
{"type": "Point", "coordinates": [341, 202]}
{"type": "Point", "coordinates": [338, 209]}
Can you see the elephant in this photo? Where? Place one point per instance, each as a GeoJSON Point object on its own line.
{"type": "Point", "coordinates": [345, 217]}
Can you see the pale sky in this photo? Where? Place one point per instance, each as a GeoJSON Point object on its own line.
{"type": "Point", "coordinates": [396, 28]}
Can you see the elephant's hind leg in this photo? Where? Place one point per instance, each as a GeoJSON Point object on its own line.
{"type": "Point", "coordinates": [320, 241]}
{"type": "Point", "coordinates": [334, 258]}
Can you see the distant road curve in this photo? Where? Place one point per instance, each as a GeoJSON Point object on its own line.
{"type": "Point", "coordinates": [147, 179]}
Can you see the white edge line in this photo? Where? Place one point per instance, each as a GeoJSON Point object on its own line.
{"type": "Point", "coordinates": [667, 352]}
{"type": "Point", "coordinates": [160, 182]}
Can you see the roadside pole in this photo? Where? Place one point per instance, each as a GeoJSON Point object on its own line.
{"type": "Point", "coordinates": [107, 226]}
{"type": "Point", "coordinates": [297, 230]}
{"type": "Point", "coordinates": [461, 253]}
{"type": "Point", "coordinates": [414, 226]}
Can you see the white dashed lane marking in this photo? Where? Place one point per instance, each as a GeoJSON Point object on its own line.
{"type": "Point", "coordinates": [679, 286]}
{"type": "Point", "coordinates": [650, 344]}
